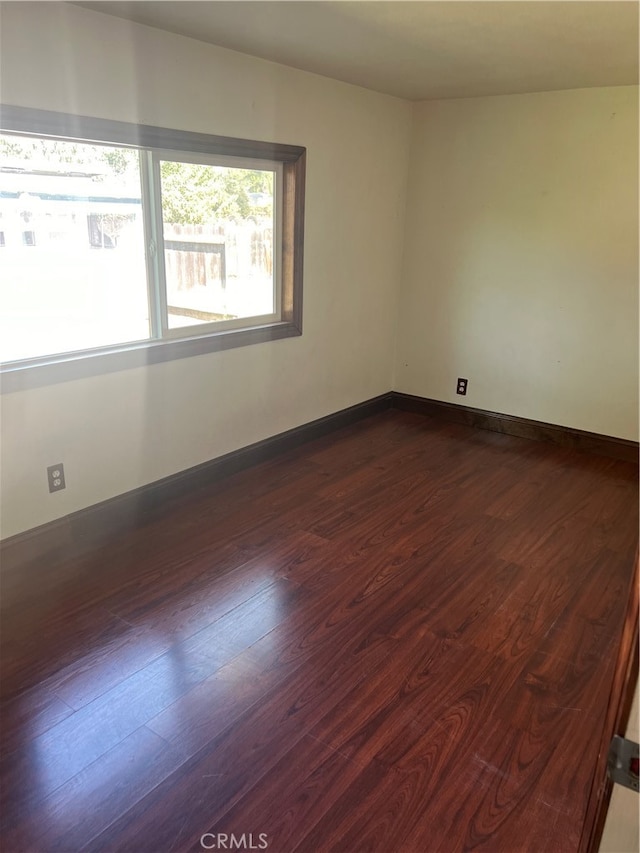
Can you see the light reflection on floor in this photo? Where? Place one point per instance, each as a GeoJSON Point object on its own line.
{"type": "Point", "coordinates": [102, 740]}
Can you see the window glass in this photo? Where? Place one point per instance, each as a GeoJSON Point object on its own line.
{"type": "Point", "coordinates": [218, 227]}
{"type": "Point", "coordinates": [72, 260]}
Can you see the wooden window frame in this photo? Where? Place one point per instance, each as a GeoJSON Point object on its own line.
{"type": "Point", "coordinates": [62, 367]}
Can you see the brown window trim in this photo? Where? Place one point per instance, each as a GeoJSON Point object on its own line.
{"type": "Point", "coordinates": [62, 367]}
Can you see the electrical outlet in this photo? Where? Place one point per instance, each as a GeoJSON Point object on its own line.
{"type": "Point", "coordinates": [462, 386]}
{"type": "Point", "coordinates": [55, 475]}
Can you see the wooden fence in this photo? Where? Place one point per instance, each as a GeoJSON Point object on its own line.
{"type": "Point", "coordinates": [229, 251]}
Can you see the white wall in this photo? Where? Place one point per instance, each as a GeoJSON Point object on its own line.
{"type": "Point", "coordinates": [521, 257]}
{"type": "Point", "coordinates": [119, 431]}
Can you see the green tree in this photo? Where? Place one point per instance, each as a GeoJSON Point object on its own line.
{"type": "Point", "coordinates": [57, 153]}
{"type": "Point", "coordinates": [195, 194]}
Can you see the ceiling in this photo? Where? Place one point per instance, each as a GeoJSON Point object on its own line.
{"type": "Point", "coordinates": [420, 50]}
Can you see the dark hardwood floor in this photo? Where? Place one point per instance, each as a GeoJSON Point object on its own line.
{"type": "Point", "coordinates": [399, 637]}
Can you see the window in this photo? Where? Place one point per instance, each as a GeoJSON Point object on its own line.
{"type": "Point", "coordinates": [124, 245]}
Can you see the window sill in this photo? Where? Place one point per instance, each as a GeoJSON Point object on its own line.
{"type": "Point", "coordinates": [66, 367]}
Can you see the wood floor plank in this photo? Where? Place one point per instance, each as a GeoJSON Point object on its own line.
{"type": "Point", "coordinates": [51, 759]}
{"type": "Point", "coordinates": [305, 783]}
{"type": "Point", "coordinates": [26, 654]}
{"type": "Point", "coordinates": [234, 761]}
{"type": "Point", "coordinates": [200, 605]}
{"type": "Point", "coordinates": [388, 805]}
{"type": "Point", "coordinates": [28, 715]}
{"type": "Point", "coordinates": [85, 805]}
{"type": "Point", "coordinates": [503, 809]}
{"type": "Point", "coordinates": [394, 638]}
